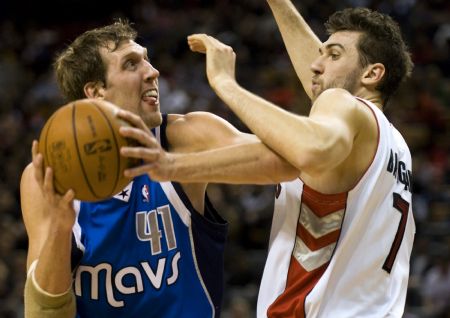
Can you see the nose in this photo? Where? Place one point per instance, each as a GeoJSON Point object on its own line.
{"type": "Point", "coordinates": [317, 66]}
{"type": "Point", "coordinates": [151, 73]}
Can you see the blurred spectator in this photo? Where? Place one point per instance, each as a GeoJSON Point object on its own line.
{"type": "Point", "coordinates": [436, 287]}
{"type": "Point", "coordinates": [421, 111]}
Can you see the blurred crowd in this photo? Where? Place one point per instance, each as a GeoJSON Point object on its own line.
{"type": "Point", "coordinates": [30, 36]}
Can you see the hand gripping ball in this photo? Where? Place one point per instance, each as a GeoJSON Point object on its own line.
{"type": "Point", "coordinates": [81, 142]}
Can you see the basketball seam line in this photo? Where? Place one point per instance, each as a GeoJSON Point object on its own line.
{"type": "Point", "coordinates": [78, 152]}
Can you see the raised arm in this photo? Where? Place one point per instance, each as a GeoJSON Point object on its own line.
{"type": "Point", "coordinates": [301, 43]}
{"type": "Point", "coordinates": [48, 218]}
{"type": "Point", "coordinates": [310, 144]}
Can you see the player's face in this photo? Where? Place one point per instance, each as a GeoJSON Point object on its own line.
{"type": "Point", "coordinates": [132, 82]}
{"type": "Point", "coordinates": [338, 65]}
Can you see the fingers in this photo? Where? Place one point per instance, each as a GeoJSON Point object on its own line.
{"type": "Point", "coordinates": [50, 192]}
{"type": "Point", "coordinates": [133, 119]}
{"type": "Point", "coordinates": [150, 150]}
{"type": "Point", "coordinates": [35, 155]}
{"type": "Point", "coordinates": [34, 149]}
{"type": "Point", "coordinates": [147, 154]}
{"type": "Point", "coordinates": [196, 42]}
{"type": "Point", "coordinates": [48, 181]}
{"type": "Point", "coordinates": [202, 42]}
{"type": "Point", "coordinates": [69, 196]}
{"type": "Point", "coordinates": [45, 178]}
{"type": "Point", "coordinates": [38, 163]}
{"type": "Point", "coordinates": [220, 58]}
{"type": "Point", "coordinates": [140, 170]}
{"type": "Point", "coordinates": [144, 138]}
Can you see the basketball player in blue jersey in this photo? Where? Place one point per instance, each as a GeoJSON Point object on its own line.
{"type": "Point", "coordinates": [156, 248]}
{"type": "Point", "coordinates": [342, 232]}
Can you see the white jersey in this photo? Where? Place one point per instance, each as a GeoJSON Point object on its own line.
{"type": "Point", "coordinates": [347, 254]}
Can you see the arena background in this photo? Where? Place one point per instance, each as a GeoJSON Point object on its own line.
{"type": "Point", "coordinates": [32, 31]}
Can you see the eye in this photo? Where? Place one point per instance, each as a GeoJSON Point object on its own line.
{"type": "Point", "coordinates": [130, 64]}
{"type": "Point", "coordinates": [334, 56]}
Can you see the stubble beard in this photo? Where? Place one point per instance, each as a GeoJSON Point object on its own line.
{"type": "Point", "coordinates": [152, 120]}
{"type": "Point", "coordinates": [349, 83]}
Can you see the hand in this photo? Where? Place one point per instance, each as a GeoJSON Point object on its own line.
{"type": "Point", "coordinates": [156, 160]}
{"type": "Point", "coordinates": [58, 207]}
{"type": "Point", "coordinates": [220, 58]}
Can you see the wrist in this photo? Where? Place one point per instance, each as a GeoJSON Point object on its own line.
{"type": "Point", "coordinates": [32, 275]}
{"type": "Point", "coordinates": [171, 166]}
{"type": "Point", "coordinates": [62, 220]}
{"type": "Point", "coordinates": [61, 228]}
{"type": "Point", "coordinates": [223, 86]}
{"type": "Point", "coordinates": [183, 167]}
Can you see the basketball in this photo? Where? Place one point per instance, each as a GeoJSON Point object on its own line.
{"type": "Point", "coordinates": [81, 143]}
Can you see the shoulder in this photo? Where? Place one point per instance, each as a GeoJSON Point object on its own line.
{"type": "Point", "coordinates": [195, 120]}
{"type": "Point", "coordinates": [335, 100]}
{"type": "Point", "coordinates": [338, 103]}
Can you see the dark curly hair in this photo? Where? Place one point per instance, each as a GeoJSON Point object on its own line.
{"type": "Point", "coordinates": [81, 61]}
{"type": "Point", "coordinates": [380, 42]}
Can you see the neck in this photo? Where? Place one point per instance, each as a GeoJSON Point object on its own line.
{"type": "Point", "coordinates": [374, 97]}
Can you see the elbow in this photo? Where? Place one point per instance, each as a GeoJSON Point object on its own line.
{"type": "Point", "coordinates": [288, 173]}
{"type": "Point", "coordinates": [326, 156]}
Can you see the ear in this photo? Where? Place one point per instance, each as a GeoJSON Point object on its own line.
{"type": "Point", "coordinates": [373, 74]}
{"type": "Point", "coordinates": [94, 90]}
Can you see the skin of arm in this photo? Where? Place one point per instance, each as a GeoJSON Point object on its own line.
{"type": "Point", "coordinates": [301, 43]}
{"type": "Point", "coordinates": [48, 218]}
{"type": "Point", "coordinates": [207, 149]}
{"type": "Point", "coordinates": [250, 163]}
{"type": "Point", "coordinates": [316, 143]}
{"type": "Point", "coordinates": [311, 144]}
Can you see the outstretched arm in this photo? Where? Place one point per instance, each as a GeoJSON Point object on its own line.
{"type": "Point", "coordinates": [301, 42]}
{"type": "Point", "coordinates": [321, 141]}
{"type": "Point", "coordinates": [214, 151]}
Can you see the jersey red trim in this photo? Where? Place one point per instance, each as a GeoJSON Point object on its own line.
{"type": "Point", "coordinates": [300, 281]}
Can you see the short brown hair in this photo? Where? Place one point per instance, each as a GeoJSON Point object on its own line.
{"type": "Point", "coordinates": [81, 61]}
{"type": "Point", "coordinates": [380, 42]}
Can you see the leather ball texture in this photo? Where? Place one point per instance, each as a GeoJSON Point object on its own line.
{"type": "Point", "coordinates": [81, 143]}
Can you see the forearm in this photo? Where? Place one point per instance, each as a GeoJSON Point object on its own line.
{"type": "Point", "coordinates": [297, 139]}
{"type": "Point", "coordinates": [40, 304]}
{"type": "Point", "coordinates": [53, 271]}
{"type": "Point", "coordinates": [237, 164]}
{"type": "Point", "coordinates": [301, 43]}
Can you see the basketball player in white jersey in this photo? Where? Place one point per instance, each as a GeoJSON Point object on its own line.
{"type": "Point", "coordinates": [342, 232]}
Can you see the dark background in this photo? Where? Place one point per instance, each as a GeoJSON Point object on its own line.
{"type": "Point", "coordinates": [31, 32]}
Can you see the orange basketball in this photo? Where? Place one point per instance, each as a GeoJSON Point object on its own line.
{"type": "Point", "coordinates": [81, 142]}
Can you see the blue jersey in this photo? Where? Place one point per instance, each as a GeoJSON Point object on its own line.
{"type": "Point", "coordinates": [146, 252]}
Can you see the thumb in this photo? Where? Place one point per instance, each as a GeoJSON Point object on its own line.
{"type": "Point", "coordinates": [69, 196]}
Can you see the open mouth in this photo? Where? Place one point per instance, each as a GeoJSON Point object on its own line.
{"type": "Point", "coordinates": [150, 95]}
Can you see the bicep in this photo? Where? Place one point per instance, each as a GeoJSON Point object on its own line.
{"type": "Point", "coordinates": [199, 131]}
{"type": "Point", "coordinates": [221, 133]}
{"type": "Point", "coordinates": [221, 147]}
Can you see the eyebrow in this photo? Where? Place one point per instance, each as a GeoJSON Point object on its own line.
{"type": "Point", "coordinates": [135, 52]}
{"type": "Point", "coordinates": [331, 45]}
